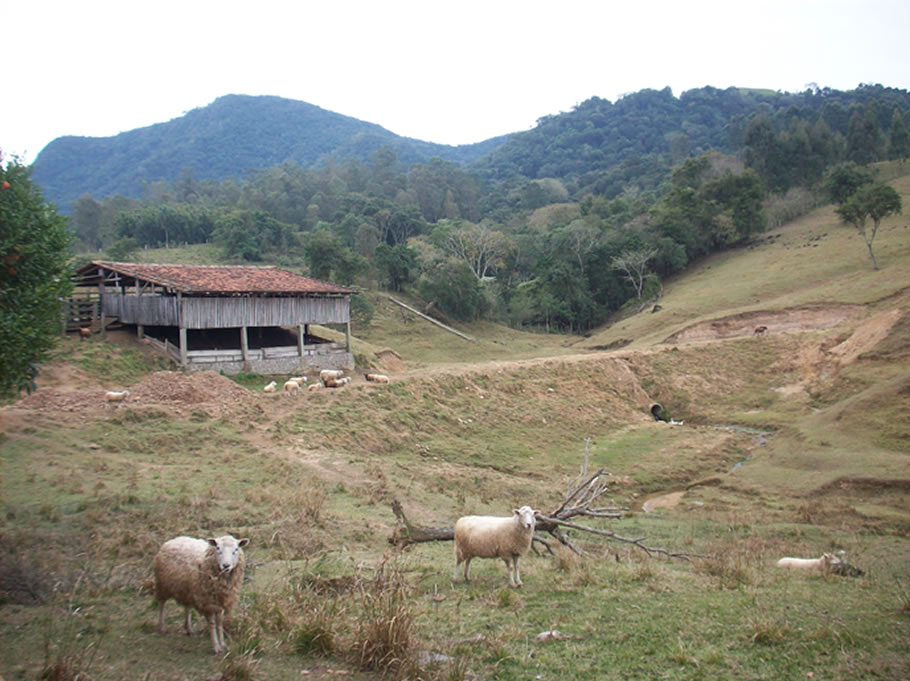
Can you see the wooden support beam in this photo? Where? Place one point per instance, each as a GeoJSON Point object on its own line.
{"type": "Point", "coordinates": [183, 348]}
{"type": "Point", "coordinates": [430, 319]}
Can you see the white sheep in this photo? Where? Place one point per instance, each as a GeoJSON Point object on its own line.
{"type": "Point", "coordinates": [336, 382]}
{"type": "Point", "coordinates": [377, 378]}
{"type": "Point", "coordinates": [314, 386]}
{"type": "Point", "coordinates": [299, 380]}
{"type": "Point", "coordinates": [204, 574]}
{"type": "Point", "coordinates": [270, 388]}
{"type": "Point", "coordinates": [291, 387]}
{"type": "Point", "coordinates": [330, 374]}
{"type": "Point", "coordinates": [509, 538]}
{"type": "Point", "coordinates": [113, 396]}
{"type": "Point", "coordinates": [823, 564]}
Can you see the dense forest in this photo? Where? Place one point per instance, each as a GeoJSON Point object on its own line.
{"type": "Point", "coordinates": [556, 228]}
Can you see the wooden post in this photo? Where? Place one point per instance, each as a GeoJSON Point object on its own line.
{"type": "Point", "coordinates": [101, 300]}
{"type": "Point", "coordinates": [140, 331]}
{"type": "Point", "coordinates": [244, 345]}
{"type": "Point", "coordinates": [347, 336]}
{"type": "Point", "coordinates": [300, 333]}
{"type": "Point", "coordinates": [183, 346]}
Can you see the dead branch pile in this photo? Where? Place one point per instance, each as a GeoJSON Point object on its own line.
{"type": "Point", "coordinates": [579, 502]}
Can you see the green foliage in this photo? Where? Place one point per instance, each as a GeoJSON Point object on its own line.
{"type": "Point", "coordinates": [122, 249]}
{"type": "Point", "coordinates": [250, 235]}
{"type": "Point", "coordinates": [454, 289]}
{"type": "Point", "coordinates": [899, 138]}
{"type": "Point", "coordinates": [35, 249]}
{"type": "Point", "coordinates": [843, 180]}
{"type": "Point", "coordinates": [395, 265]}
{"type": "Point", "coordinates": [876, 202]}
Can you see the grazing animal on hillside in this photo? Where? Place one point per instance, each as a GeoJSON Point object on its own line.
{"type": "Point", "coordinates": [825, 563]}
{"type": "Point", "coordinates": [114, 396]}
{"type": "Point", "coordinates": [291, 387]}
{"type": "Point", "coordinates": [760, 330]}
{"type": "Point", "coordinates": [509, 538]}
{"type": "Point", "coordinates": [377, 378]}
{"type": "Point", "coordinates": [204, 574]}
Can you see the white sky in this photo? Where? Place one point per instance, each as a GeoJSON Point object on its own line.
{"type": "Point", "coordinates": [452, 73]}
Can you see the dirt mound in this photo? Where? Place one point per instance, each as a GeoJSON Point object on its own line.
{"type": "Point", "coordinates": [748, 323]}
{"type": "Point", "coordinates": [204, 388]}
{"type": "Point", "coordinates": [389, 360]}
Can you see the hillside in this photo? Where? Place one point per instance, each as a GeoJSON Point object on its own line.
{"type": "Point", "coordinates": [599, 147]}
{"type": "Point", "coordinates": [793, 442]}
{"type": "Point", "coordinates": [226, 139]}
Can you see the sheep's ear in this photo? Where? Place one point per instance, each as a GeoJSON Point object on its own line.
{"type": "Point", "coordinates": [212, 541]}
{"type": "Point", "coordinates": [243, 542]}
{"type": "Point", "coordinates": [515, 511]}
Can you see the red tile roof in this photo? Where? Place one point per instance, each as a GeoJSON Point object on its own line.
{"type": "Point", "coordinates": [220, 279]}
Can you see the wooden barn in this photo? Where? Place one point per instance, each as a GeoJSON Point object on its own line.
{"type": "Point", "coordinates": [230, 318]}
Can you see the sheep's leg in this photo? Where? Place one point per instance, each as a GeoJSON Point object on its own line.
{"type": "Point", "coordinates": [457, 565]}
{"type": "Point", "coordinates": [188, 622]}
{"type": "Point", "coordinates": [213, 630]}
{"type": "Point", "coordinates": [161, 617]}
{"type": "Point", "coordinates": [219, 628]}
{"type": "Point", "coordinates": [467, 564]}
{"type": "Point", "coordinates": [515, 568]}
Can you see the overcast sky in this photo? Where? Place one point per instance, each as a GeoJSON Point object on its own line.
{"type": "Point", "coordinates": [446, 72]}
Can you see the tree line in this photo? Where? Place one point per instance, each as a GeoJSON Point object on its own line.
{"type": "Point", "coordinates": [552, 253]}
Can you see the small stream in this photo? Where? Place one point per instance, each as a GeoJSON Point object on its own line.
{"type": "Point", "coordinates": [671, 498]}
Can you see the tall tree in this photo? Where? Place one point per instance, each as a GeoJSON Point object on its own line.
{"type": "Point", "coordinates": [864, 137]}
{"type": "Point", "coordinates": [876, 202]}
{"type": "Point", "coordinates": [898, 138]}
{"type": "Point", "coordinates": [35, 251]}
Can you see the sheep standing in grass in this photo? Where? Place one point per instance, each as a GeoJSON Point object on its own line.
{"type": "Point", "coordinates": [823, 564]}
{"type": "Point", "coordinates": [509, 538]}
{"type": "Point", "coordinates": [204, 574]}
{"type": "Point", "coordinates": [115, 396]}
{"type": "Point", "coordinates": [291, 387]}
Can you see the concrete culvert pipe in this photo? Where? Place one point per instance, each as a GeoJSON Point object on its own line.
{"type": "Point", "coordinates": [659, 413]}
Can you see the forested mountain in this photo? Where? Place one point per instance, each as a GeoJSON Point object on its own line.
{"type": "Point", "coordinates": [225, 139]}
{"type": "Point", "coordinates": [554, 228]}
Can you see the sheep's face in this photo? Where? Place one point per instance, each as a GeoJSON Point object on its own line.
{"type": "Point", "coordinates": [830, 560]}
{"type": "Point", "coordinates": [227, 551]}
{"type": "Point", "coordinates": [526, 517]}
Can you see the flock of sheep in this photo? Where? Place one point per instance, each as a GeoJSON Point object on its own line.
{"type": "Point", "coordinates": [206, 574]}
{"type": "Point", "coordinates": [328, 378]}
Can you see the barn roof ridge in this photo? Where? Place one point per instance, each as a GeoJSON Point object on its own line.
{"type": "Point", "coordinates": [220, 279]}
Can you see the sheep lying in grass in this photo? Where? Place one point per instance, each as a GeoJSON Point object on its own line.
{"type": "Point", "coordinates": [377, 378]}
{"type": "Point", "coordinates": [823, 564]}
{"type": "Point", "coordinates": [115, 396]}
{"type": "Point", "coordinates": [330, 374]}
{"type": "Point", "coordinates": [509, 538]}
{"type": "Point", "coordinates": [270, 388]}
{"type": "Point", "coordinates": [204, 574]}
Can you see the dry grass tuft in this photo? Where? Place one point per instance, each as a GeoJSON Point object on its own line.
{"type": "Point", "coordinates": [385, 639]}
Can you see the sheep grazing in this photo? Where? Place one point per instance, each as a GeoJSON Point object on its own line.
{"type": "Point", "coordinates": [826, 563]}
{"type": "Point", "coordinates": [330, 374]}
{"type": "Point", "coordinates": [377, 378]}
{"type": "Point", "coordinates": [299, 380]}
{"type": "Point", "coordinates": [84, 333]}
{"type": "Point", "coordinates": [270, 388]}
{"type": "Point", "coordinates": [337, 382]}
{"type": "Point", "coordinates": [114, 396]}
{"type": "Point", "coordinates": [760, 330]}
{"type": "Point", "coordinates": [509, 538]}
{"type": "Point", "coordinates": [204, 574]}
{"type": "Point", "coordinates": [291, 387]}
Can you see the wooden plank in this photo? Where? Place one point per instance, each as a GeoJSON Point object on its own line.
{"type": "Point", "coordinates": [430, 319]}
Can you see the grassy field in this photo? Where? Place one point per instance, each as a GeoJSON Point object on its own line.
{"type": "Point", "coordinates": [793, 442]}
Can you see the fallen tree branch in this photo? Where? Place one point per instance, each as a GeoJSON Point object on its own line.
{"type": "Point", "coordinates": [577, 502]}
